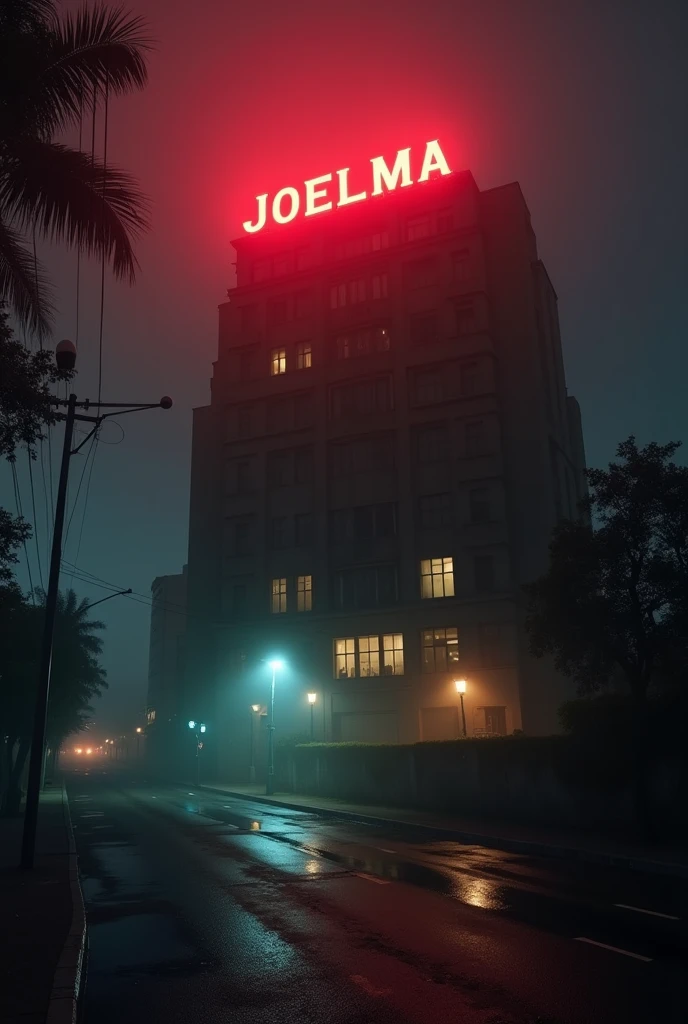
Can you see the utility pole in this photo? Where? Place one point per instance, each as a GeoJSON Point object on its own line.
{"type": "Point", "coordinates": [65, 355]}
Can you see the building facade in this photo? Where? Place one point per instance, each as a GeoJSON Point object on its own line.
{"type": "Point", "coordinates": [166, 667]}
{"type": "Point", "coordinates": [388, 446]}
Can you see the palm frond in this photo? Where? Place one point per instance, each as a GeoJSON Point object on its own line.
{"type": "Point", "coordinates": [96, 209]}
{"type": "Point", "coordinates": [26, 292]}
{"type": "Point", "coordinates": [88, 49]}
{"type": "Point", "coordinates": [23, 15]}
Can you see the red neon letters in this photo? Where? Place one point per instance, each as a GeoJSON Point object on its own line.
{"type": "Point", "coordinates": [317, 199]}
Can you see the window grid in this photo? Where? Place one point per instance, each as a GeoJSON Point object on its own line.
{"type": "Point", "coordinates": [279, 595]}
{"type": "Point", "coordinates": [440, 649]}
{"type": "Point", "coordinates": [360, 656]}
{"type": "Point", "coordinates": [437, 577]}
{"type": "Point", "coordinates": [278, 361]}
{"type": "Point", "coordinates": [304, 593]}
{"type": "Point", "coordinates": [304, 355]}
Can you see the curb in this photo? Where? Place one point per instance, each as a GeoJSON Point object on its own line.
{"type": "Point", "coordinates": [64, 1005]}
{"type": "Point", "coordinates": [628, 862]}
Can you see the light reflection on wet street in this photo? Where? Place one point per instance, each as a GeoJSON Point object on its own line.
{"type": "Point", "coordinates": [253, 912]}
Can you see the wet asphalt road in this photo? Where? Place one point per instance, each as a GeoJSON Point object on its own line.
{"type": "Point", "coordinates": [210, 909]}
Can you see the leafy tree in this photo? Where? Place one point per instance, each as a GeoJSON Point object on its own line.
{"type": "Point", "coordinates": [613, 607]}
{"type": "Point", "coordinates": [52, 70]}
{"type": "Point", "coordinates": [77, 677]}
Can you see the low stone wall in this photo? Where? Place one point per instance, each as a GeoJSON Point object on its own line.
{"type": "Point", "coordinates": [543, 780]}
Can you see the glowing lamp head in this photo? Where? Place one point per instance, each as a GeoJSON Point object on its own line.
{"type": "Point", "coordinates": [460, 685]}
{"type": "Point", "coordinates": [312, 697]}
{"type": "Point", "coordinates": [139, 729]}
{"type": "Point", "coordinates": [192, 724]}
{"type": "Point", "coordinates": [202, 728]}
{"type": "Point", "coordinates": [276, 664]}
{"type": "Point", "coordinates": [255, 707]}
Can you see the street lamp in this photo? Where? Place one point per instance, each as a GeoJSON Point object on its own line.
{"type": "Point", "coordinates": [275, 664]}
{"type": "Point", "coordinates": [312, 697]}
{"type": "Point", "coordinates": [65, 357]}
{"type": "Point", "coordinates": [255, 709]}
{"type": "Point", "coordinates": [461, 689]}
{"type": "Point", "coordinates": [197, 728]}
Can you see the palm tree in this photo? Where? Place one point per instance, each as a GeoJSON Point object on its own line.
{"type": "Point", "coordinates": [76, 679]}
{"type": "Point", "coordinates": [53, 71]}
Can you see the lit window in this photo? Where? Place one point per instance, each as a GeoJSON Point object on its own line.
{"type": "Point", "coordinates": [360, 656]}
{"type": "Point", "coordinates": [279, 595]}
{"type": "Point", "coordinates": [278, 361]}
{"type": "Point", "coordinates": [369, 655]}
{"type": "Point", "coordinates": [440, 649]}
{"type": "Point", "coordinates": [437, 577]}
{"type": "Point", "coordinates": [345, 658]}
{"type": "Point", "coordinates": [304, 593]}
{"type": "Point", "coordinates": [379, 286]}
{"type": "Point", "coordinates": [304, 355]}
{"type": "Point", "coordinates": [393, 654]}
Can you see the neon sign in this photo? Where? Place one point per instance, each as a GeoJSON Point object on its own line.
{"type": "Point", "coordinates": [317, 194]}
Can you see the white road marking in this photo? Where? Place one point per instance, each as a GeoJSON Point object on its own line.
{"type": "Point", "coordinates": [384, 849]}
{"type": "Point", "coordinates": [614, 949]}
{"type": "Point", "coordinates": [641, 910]}
{"type": "Point", "coordinates": [93, 814]}
{"type": "Point", "coordinates": [371, 878]}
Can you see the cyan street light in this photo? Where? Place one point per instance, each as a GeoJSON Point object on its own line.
{"type": "Point", "coordinates": [312, 697]}
{"type": "Point", "coordinates": [275, 664]}
{"type": "Point", "coordinates": [461, 689]}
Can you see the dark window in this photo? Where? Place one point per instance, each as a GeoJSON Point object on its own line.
{"type": "Point", "coordinates": [465, 319]}
{"type": "Point", "coordinates": [489, 721]}
{"type": "Point", "coordinates": [242, 537]}
{"type": "Point", "coordinates": [247, 364]}
{"type": "Point", "coordinates": [347, 293]}
{"type": "Point", "coordinates": [479, 503]}
{"type": "Point", "coordinates": [303, 465]}
{"type": "Point", "coordinates": [244, 420]}
{"type": "Point", "coordinates": [379, 286]}
{"type": "Point", "coordinates": [432, 444]}
{"type": "Point", "coordinates": [243, 476]}
{"type": "Point", "coordinates": [365, 587]}
{"type": "Point", "coordinates": [279, 415]}
{"type": "Point", "coordinates": [279, 533]}
{"type": "Point", "coordinates": [418, 227]}
{"type": "Point", "coordinates": [361, 398]}
{"type": "Point", "coordinates": [363, 523]}
{"type": "Point", "coordinates": [428, 386]}
{"type": "Point", "coordinates": [476, 438]}
{"type": "Point", "coordinates": [362, 342]}
{"type": "Point", "coordinates": [444, 221]}
{"type": "Point", "coordinates": [303, 409]}
{"type": "Point", "coordinates": [303, 530]}
{"type": "Point", "coordinates": [469, 378]}
{"type": "Point", "coordinates": [279, 468]}
{"type": "Point", "coordinates": [423, 329]}
{"type": "Point", "coordinates": [420, 273]}
{"type": "Point", "coordinates": [289, 307]}
{"type": "Point", "coordinates": [461, 266]}
{"type": "Point", "coordinates": [440, 649]}
{"type": "Point", "coordinates": [435, 510]}
{"type": "Point", "coordinates": [239, 593]}
{"type": "Point", "coordinates": [248, 318]}
{"type": "Point", "coordinates": [491, 643]}
{"type": "Point", "coordinates": [483, 567]}
{"type": "Point", "coordinates": [371, 454]}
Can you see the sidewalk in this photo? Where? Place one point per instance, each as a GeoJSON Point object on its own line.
{"type": "Point", "coordinates": [42, 926]}
{"type": "Point", "coordinates": [530, 840]}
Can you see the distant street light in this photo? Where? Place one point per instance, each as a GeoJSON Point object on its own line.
{"type": "Point", "coordinates": [312, 697]}
{"type": "Point", "coordinates": [65, 357]}
{"type": "Point", "coordinates": [276, 664]}
{"type": "Point", "coordinates": [255, 710]}
{"type": "Point", "coordinates": [197, 728]}
{"type": "Point", "coordinates": [461, 689]}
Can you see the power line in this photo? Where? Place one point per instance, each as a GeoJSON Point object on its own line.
{"type": "Point", "coordinates": [35, 518]}
{"type": "Point", "coordinates": [102, 262]}
{"type": "Point", "coordinates": [78, 491]}
{"type": "Point", "coordinates": [20, 513]}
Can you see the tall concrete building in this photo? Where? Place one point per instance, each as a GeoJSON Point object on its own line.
{"type": "Point", "coordinates": [166, 668]}
{"type": "Point", "coordinates": [388, 446]}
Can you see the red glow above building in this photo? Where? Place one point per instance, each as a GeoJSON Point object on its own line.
{"type": "Point", "coordinates": [317, 195]}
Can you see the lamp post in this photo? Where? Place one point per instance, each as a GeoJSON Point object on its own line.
{"type": "Point", "coordinates": [139, 730]}
{"type": "Point", "coordinates": [461, 689]}
{"type": "Point", "coordinates": [275, 665]}
{"type": "Point", "coordinates": [65, 356]}
{"type": "Point", "coordinates": [197, 728]}
{"type": "Point", "coordinates": [312, 697]}
{"type": "Point", "coordinates": [255, 710]}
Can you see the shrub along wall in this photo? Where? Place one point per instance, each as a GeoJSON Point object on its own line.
{"type": "Point", "coordinates": [546, 780]}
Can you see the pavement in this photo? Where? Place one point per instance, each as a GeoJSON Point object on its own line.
{"type": "Point", "coordinates": [42, 939]}
{"type": "Point", "coordinates": [207, 906]}
{"type": "Point", "coordinates": [568, 844]}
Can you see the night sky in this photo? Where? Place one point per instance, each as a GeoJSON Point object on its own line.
{"type": "Point", "coordinates": [584, 103]}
